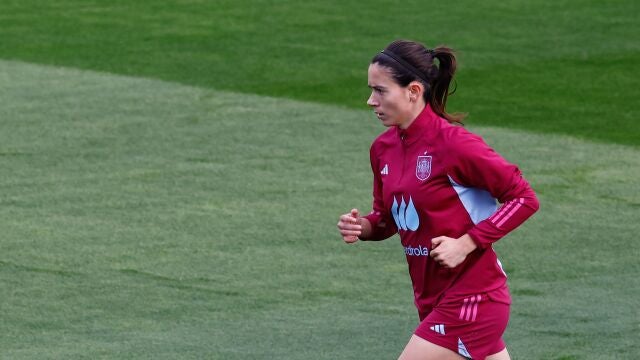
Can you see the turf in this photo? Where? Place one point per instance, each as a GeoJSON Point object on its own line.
{"type": "Point", "coordinates": [148, 219]}
{"type": "Point", "coordinates": [559, 67]}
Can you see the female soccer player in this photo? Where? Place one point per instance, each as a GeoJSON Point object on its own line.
{"type": "Point", "coordinates": [436, 184]}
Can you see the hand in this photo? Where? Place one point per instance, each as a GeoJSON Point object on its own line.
{"type": "Point", "coordinates": [451, 252]}
{"type": "Point", "coordinates": [350, 226]}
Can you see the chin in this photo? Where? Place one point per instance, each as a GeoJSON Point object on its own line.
{"type": "Point", "coordinates": [388, 123]}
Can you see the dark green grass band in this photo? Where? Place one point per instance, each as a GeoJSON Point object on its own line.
{"type": "Point", "coordinates": [524, 64]}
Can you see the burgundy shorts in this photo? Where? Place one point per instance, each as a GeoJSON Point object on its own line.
{"type": "Point", "coordinates": [471, 327]}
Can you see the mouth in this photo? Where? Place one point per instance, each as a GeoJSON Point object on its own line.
{"type": "Point", "coordinates": [379, 115]}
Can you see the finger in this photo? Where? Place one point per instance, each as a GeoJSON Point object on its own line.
{"type": "Point", "coordinates": [451, 264]}
{"type": "Point", "coordinates": [355, 213]}
{"type": "Point", "coordinates": [350, 232]}
{"type": "Point", "coordinates": [350, 239]}
{"type": "Point", "coordinates": [437, 241]}
{"type": "Point", "coordinates": [442, 262]}
{"type": "Point", "coordinates": [348, 219]}
{"type": "Point", "coordinates": [349, 226]}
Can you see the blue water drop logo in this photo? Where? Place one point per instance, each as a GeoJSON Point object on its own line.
{"type": "Point", "coordinates": [394, 212]}
{"type": "Point", "coordinates": [411, 216]}
{"type": "Point", "coordinates": [406, 215]}
{"type": "Point", "coordinates": [403, 207]}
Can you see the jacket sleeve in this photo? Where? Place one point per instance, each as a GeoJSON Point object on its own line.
{"type": "Point", "coordinates": [475, 164]}
{"type": "Point", "coordinates": [381, 226]}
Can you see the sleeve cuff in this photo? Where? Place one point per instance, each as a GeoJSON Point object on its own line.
{"type": "Point", "coordinates": [477, 239]}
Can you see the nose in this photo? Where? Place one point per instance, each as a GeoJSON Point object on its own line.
{"type": "Point", "coordinates": [371, 101]}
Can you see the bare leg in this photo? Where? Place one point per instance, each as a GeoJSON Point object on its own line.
{"type": "Point", "coordinates": [420, 349]}
{"type": "Point", "coordinates": [502, 355]}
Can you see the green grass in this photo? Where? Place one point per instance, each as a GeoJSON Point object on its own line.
{"type": "Point", "coordinates": [146, 219]}
{"type": "Point", "coordinates": [561, 67]}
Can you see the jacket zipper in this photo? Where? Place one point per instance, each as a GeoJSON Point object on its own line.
{"type": "Point", "coordinates": [404, 155]}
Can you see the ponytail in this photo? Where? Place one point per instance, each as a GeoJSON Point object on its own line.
{"type": "Point", "coordinates": [439, 93]}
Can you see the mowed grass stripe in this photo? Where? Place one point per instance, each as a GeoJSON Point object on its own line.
{"type": "Point", "coordinates": [146, 219]}
{"type": "Point", "coordinates": [533, 59]}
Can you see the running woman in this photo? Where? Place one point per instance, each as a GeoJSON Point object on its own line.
{"type": "Point", "coordinates": [437, 185]}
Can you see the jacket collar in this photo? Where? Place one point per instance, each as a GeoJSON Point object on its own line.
{"type": "Point", "coordinates": [419, 128]}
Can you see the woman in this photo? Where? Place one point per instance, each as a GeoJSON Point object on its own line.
{"type": "Point", "coordinates": [436, 184]}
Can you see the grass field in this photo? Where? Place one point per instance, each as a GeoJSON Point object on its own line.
{"type": "Point", "coordinates": [145, 219]}
{"type": "Point", "coordinates": [156, 205]}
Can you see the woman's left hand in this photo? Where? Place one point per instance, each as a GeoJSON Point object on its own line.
{"type": "Point", "coordinates": [451, 252]}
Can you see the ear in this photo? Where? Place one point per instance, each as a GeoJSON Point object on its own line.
{"type": "Point", "coordinates": [416, 89]}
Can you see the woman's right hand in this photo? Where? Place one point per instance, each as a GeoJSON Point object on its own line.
{"type": "Point", "coordinates": [350, 226]}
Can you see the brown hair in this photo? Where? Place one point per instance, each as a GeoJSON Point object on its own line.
{"type": "Point", "coordinates": [412, 61]}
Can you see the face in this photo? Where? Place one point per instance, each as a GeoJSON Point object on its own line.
{"type": "Point", "coordinates": [391, 102]}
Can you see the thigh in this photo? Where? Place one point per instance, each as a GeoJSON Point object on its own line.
{"type": "Point", "coordinates": [502, 355]}
{"type": "Point", "coordinates": [420, 349]}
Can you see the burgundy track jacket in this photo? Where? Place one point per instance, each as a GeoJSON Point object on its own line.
{"type": "Point", "coordinates": [437, 179]}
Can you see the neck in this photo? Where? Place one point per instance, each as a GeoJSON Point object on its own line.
{"type": "Point", "coordinates": [413, 114]}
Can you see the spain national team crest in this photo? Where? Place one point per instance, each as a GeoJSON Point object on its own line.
{"type": "Point", "coordinates": [423, 168]}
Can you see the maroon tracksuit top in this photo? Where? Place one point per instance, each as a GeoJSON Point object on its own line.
{"type": "Point", "coordinates": [437, 179]}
